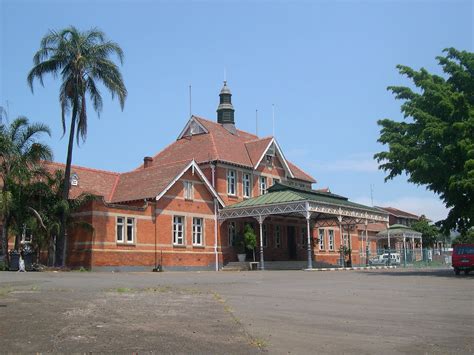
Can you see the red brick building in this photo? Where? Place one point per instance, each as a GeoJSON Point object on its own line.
{"type": "Point", "coordinates": [169, 211]}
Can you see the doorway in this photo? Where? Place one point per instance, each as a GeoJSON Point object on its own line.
{"type": "Point", "coordinates": [291, 241]}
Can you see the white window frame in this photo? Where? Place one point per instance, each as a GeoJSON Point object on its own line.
{"type": "Point", "coordinates": [188, 190]}
{"type": "Point", "coordinates": [247, 185]}
{"type": "Point", "coordinates": [263, 185]}
{"type": "Point", "coordinates": [231, 182]}
{"type": "Point", "coordinates": [232, 232]}
{"type": "Point", "coordinates": [277, 236]}
{"type": "Point", "coordinates": [122, 224]}
{"type": "Point", "coordinates": [321, 237]}
{"type": "Point", "coordinates": [331, 239]}
{"type": "Point", "coordinates": [179, 227]}
{"type": "Point", "coordinates": [198, 231]}
{"type": "Point", "coordinates": [345, 239]}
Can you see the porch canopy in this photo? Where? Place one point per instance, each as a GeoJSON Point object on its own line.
{"type": "Point", "coordinates": [401, 232]}
{"type": "Point", "coordinates": [324, 208]}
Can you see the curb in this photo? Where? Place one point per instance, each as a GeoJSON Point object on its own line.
{"type": "Point", "coordinates": [363, 268]}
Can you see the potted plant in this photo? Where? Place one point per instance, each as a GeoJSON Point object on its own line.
{"type": "Point", "coordinates": [240, 246]}
{"type": "Point", "coordinates": [250, 239]}
{"type": "Point", "coordinates": [345, 251]}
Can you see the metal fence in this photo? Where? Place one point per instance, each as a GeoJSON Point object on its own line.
{"type": "Point", "coordinates": [404, 257]}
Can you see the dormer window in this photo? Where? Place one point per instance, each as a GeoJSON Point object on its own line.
{"type": "Point", "coordinates": [74, 180]}
{"type": "Point", "coordinates": [269, 159]}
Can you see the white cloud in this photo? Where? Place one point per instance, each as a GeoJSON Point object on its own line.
{"type": "Point", "coordinates": [431, 207]}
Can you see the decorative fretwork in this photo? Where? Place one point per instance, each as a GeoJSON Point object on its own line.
{"type": "Point", "coordinates": [326, 214]}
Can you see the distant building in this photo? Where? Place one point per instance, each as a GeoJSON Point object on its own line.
{"type": "Point", "coordinates": [397, 216]}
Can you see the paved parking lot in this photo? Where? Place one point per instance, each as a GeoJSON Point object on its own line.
{"type": "Point", "coordinates": [389, 311]}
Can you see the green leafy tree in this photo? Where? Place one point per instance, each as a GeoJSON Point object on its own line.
{"type": "Point", "coordinates": [46, 196]}
{"type": "Point", "coordinates": [82, 60]}
{"type": "Point", "coordinates": [20, 157]}
{"type": "Point", "coordinates": [434, 147]}
{"type": "Point", "coordinates": [430, 233]}
{"type": "Point", "coordinates": [250, 239]}
{"type": "Point", "coordinates": [466, 238]}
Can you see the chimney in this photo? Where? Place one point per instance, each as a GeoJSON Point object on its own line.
{"type": "Point", "coordinates": [147, 162]}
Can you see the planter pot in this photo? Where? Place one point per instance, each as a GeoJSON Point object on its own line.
{"type": "Point", "coordinates": [241, 257]}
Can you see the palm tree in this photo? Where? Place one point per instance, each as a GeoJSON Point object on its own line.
{"type": "Point", "coordinates": [82, 61]}
{"type": "Point", "coordinates": [20, 157]}
{"type": "Point", "coordinates": [45, 209]}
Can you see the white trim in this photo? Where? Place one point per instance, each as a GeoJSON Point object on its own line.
{"type": "Point", "coordinates": [201, 175]}
{"type": "Point", "coordinates": [183, 231]}
{"type": "Point", "coordinates": [273, 141]}
{"type": "Point", "coordinates": [186, 214]}
{"type": "Point", "coordinates": [202, 244]}
{"type": "Point", "coordinates": [192, 119]}
{"type": "Point", "coordinates": [111, 214]}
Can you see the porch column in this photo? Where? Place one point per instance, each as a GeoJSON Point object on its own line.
{"type": "Point", "coordinates": [413, 258]}
{"type": "Point", "coordinates": [310, 258]}
{"type": "Point", "coordinates": [260, 222]}
{"type": "Point", "coordinates": [341, 256]}
{"type": "Point", "coordinates": [366, 244]}
{"type": "Point", "coordinates": [404, 251]}
{"type": "Point", "coordinates": [389, 251]}
{"type": "Point", "coordinates": [421, 247]}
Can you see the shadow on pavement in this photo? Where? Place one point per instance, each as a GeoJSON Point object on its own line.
{"type": "Point", "coordinates": [447, 273]}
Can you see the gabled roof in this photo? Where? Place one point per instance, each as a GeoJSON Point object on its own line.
{"type": "Point", "coordinates": [274, 143]}
{"type": "Point", "coordinates": [218, 144]}
{"type": "Point", "coordinates": [155, 181]}
{"type": "Point", "coordinates": [93, 181]}
{"type": "Point", "coordinates": [255, 149]}
{"type": "Point", "coordinates": [399, 213]}
{"type": "Point", "coordinates": [281, 193]}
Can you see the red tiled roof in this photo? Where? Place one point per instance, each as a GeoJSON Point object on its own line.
{"type": "Point", "coordinates": [93, 181]}
{"type": "Point", "coordinates": [146, 183]}
{"type": "Point", "coordinates": [399, 213]}
{"type": "Point", "coordinates": [299, 173]}
{"type": "Point", "coordinates": [241, 148]}
{"type": "Point", "coordinates": [255, 149]}
{"type": "Point", "coordinates": [373, 227]}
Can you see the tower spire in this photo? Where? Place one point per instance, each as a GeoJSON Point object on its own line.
{"type": "Point", "coordinates": [225, 110]}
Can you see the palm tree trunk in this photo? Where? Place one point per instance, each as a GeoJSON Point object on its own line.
{"type": "Point", "coordinates": [61, 239]}
{"type": "Point", "coordinates": [51, 250]}
{"type": "Point", "coordinates": [5, 240]}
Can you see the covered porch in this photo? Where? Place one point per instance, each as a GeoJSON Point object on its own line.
{"type": "Point", "coordinates": [286, 207]}
{"type": "Point", "coordinates": [402, 240]}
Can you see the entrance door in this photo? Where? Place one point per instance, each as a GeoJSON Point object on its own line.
{"type": "Point", "coordinates": [291, 240]}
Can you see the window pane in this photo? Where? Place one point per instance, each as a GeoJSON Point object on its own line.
{"type": "Point", "coordinates": [119, 233]}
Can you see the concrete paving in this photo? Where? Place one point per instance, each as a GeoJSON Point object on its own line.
{"type": "Point", "coordinates": [300, 312]}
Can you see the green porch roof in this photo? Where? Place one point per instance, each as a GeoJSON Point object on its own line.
{"type": "Point", "coordinates": [280, 193]}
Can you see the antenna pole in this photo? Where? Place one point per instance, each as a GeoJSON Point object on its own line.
{"type": "Point", "coordinates": [225, 74]}
{"type": "Point", "coordinates": [256, 122]}
{"type": "Point", "coordinates": [273, 115]}
{"type": "Point", "coordinates": [190, 102]}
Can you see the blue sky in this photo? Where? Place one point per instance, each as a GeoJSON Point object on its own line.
{"type": "Point", "coordinates": [325, 65]}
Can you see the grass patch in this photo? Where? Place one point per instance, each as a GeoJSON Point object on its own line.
{"type": "Point", "coordinates": [427, 265]}
{"type": "Point", "coordinates": [5, 291]}
{"type": "Point", "coordinates": [259, 343]}
{"type": "Point", "coordinates": [123, 290]}
{"type": "Point", "coordinates": [159, 289]}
